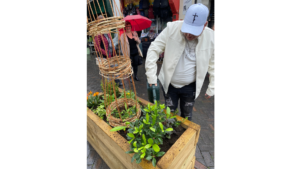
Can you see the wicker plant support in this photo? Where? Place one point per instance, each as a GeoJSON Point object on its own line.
{"type": "Point", "coordinates": [113, 121]}
{"type": "Point", "coordinates": [122, 71]}
{"type": "Point", "coordinates": [105, 25]}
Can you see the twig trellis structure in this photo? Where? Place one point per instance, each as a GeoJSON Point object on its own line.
{"type": "Point", "coordinates": [119, 65]}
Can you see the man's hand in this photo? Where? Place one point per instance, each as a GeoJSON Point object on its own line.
{"type": "Point", "coordinates": [154, 84]}
{"type": "Point", "coordinates": [207, 96]}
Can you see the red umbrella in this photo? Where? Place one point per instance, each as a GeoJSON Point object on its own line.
{"type": "Point", "coordinates": [138, 22]}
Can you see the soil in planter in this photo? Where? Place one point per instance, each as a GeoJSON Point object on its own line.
{"type": "Point", "coordinates": [167, 142]}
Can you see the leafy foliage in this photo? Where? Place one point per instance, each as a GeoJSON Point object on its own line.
{"type": "Point", "coordinates": [93, 100]}
{"type": "Point", "coordinates": [128, 94]}
{"type": "Point", "coordinates": [100, 111]}
{"type": "Point", "coordinates": [109, 89]}
{"type": "Point", "coordinates": [147, 133]}
{"type": "Point", "coordinates": [127, 112]}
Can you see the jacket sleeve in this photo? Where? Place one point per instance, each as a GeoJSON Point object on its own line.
{"type": "Point", "coordinates": [211, 70]}
{"type": "Point", "coordinates": [155, 49]}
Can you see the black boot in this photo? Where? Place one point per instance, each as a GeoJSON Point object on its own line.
{"type": "Point", "coordinates": [135, 70]}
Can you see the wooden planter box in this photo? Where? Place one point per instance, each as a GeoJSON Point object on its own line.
{"type": "Point", "coordinates": [112, 147]}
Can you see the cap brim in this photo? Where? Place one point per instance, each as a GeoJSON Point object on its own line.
{"type": "Point", "coordinates": [194, 30]}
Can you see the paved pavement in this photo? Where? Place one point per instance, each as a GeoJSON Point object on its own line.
{"type": "Point", "coordinates": [203, 114]}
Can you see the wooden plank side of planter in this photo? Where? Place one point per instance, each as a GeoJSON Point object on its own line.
{"type": "Point", "coordinates": [115, 144]}
{"type": "Point", "coordinates": [192, 164]}
{"type": "Point", "coordinates": [189, 124]}
{"type": "Point", "coordinates": [188, 160]}
{"type": "Point", "coordinates": [101, 149]}
{"type": "Point", "coordinates": [179, 151]}
{"type": "Point", "coordinates": [113, 141]}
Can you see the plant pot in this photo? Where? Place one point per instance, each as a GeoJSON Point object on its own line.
{"type": "Point", "coordinates": [112, 147]}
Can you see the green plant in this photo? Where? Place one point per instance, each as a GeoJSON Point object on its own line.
{"type": "Point", "coordinates": [127, 112]}
{"type": "Point", "coordinates": [109, 99]}
{"type": "Point", "coordinates": [107, 86]}
{"type": "Point", "coordinates": [100, 111]}
{"type": "Point", "coordinates": [129, 94]}
{"type": "Point", "coordinates": [93, 100]}
{"type": "Point", "coordinates": [147, 133]}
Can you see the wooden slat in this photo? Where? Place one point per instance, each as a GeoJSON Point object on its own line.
{"type": "Point", "coordinates": [179, 150]}
{"type": "Point", "coordinates": [188, 160]}
{"type": "Point", "coordinates": [187, 124]}
{"type": "Point", "coordinates": [192, 164]}
{"type": "Point", "coordinates": [101, 149]}
{"type": "Point", "coordinates": [114, 142]}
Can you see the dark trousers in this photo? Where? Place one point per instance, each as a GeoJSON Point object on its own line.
{"type": "Point", "coordinates": [134, 63]}
{"type": "Point", "coordinates": [186, 94]}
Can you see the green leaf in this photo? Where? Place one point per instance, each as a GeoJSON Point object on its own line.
{"type": "Point", "coordinates": [154, 162]}
{"type": "Point", "coordinates": [134, 144]}
{"type": "Point", "coordinates": [161, 126]}
{"type": "Point", "coordinates": [143, 155]}
{"type": "Point", "coordinates": [153, 120]}
{"type": "Point", "coordinates": [127, 122]}
{"type": "Point", "coordinates": [160, 140]}
{"type": "Point", "coordinates": [146, 110]}
{"type": "Point", "coordinates": [148, 106]}
{"type": "Point", "coordinates": [156, 148]}
{"type": "Point", "coordinates": [149, 158]}
{"type": "Point", "coordinates": [136, 150]}
{"type": "Point", "coordinates": [159, 154]}
{"type": "Point", "coordinates": [125, 106]}
{"type": "Point", "coordinates": [139, 160]}
{"type": "Point", "coordinates": [173, 117]}
{"type": "Point", "coordinates": [132, 159]}
{"type": "Point", "coordinates": [130, 141]}
{"type": "Point", "coordinates": [162, 106]}
{"type": "Point", "coordinates": [144, 139]}
{"type": "Point", "coordinates": [141, 126]}
{"type": "Point", "coordinates": [147, 146]}
{"type": "Point", "coordinates": [135, 156]}
{"type": "Point", "coordinates": [118, 128]}
{"type": "Point", "coordinates": [140, 148]}
{"type": "Point", "coordinates": [131, 135]}
{"type": "Point", "coordinates": [168, 112]}
{"type": "Point", "coordinates": [151, 128]}
{"type": "Point", "coordinates": [147, 117]}
{"type": "Point", "coordinates": [150, 141]}
{"type": "Point", "coordinates": [169, 129]}
{"type": "Point", "coordinates": [144, 121]}
{"type": "Point", "coordinates": [129, 152]}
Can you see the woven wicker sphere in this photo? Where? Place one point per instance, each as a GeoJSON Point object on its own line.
{"type": "Point", "coordinates": [113, 121]}
{"type": "Point", "coordinates": [108, 67]}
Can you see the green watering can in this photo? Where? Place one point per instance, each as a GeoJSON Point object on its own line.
{"type": "Point", "coordinates": [88, 51]}
{"type": "Point", "coordinates": [153, 92]}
